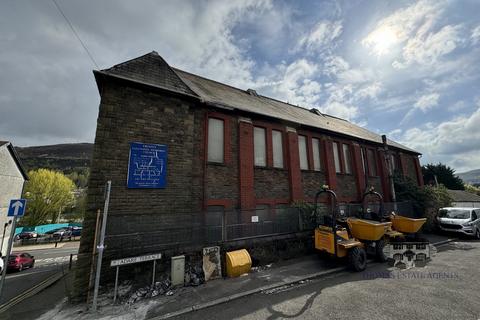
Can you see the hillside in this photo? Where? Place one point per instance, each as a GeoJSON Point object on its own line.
{"type": "Point", "coordinates": [68, 158]}
{"type": "Point", "coordinates": [472, 177]}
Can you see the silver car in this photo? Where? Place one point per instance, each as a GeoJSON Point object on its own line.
{"type": "Point", "coordinates": [461, 220]}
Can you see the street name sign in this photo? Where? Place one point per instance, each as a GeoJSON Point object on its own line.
{"type": "Point", "coordinates": [17, 207]}
{"type": "Point", "coordinates": [124, 261]}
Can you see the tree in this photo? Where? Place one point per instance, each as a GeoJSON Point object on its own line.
{"type": "Point", "coordinates": [425, 200]}
{"type": "Point", "coordinates": [472, 189]}
{"type": "Point", "coordinates": [444, 174]}
{"type": "Point", "coordinates": [48, 193]}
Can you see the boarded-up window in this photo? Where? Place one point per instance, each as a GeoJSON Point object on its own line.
{"type": "Point", "coordinates": [260, 147]}
{"type": "Point", "coordinates": [347, 158]}
{"type": "Point", "coordinates": [262, 211]}
{"type": "Point", "coordinates": [302, 150]}
{"type": "Point", "coordinates": [277, 143]}
{"type": "Point", "coordinates": [317, 166]}
{"type": "Point", "coordinates": [364, 160]}
{"type": "Point", "coordinates": [215, 140]}
{"type": "Point", "coordinates": [336, 158]}
{"type": "Point", "coordinates": [372, 164]}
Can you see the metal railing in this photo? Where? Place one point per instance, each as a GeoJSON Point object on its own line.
{"type": "Point", "coordinates": [141, 231]}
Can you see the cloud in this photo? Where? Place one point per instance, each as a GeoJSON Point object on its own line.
{"type": "Point", "coordinates": [370, 91]}
{"type": "Point", "coordinates": [455, 141]}
{"type": "Point", "coordinates": [339, 109]}
{"type": "Point", "coordinates": [46, 79]}
{"type": "Point", "coordinates": [457, 106]}
{"type": "Point", "coordinates": [413, 31]}
{"type": "Point", "coordinates": [296, 83]}
{"type": "Point", "coordinates": [334, 65]}
{"type": "Point", "coordinates": [426, 102]}
{"type": "Point", "coordinates": [321, 37]}
{"type": "Point", "coordinates": [426, 50]}
{"type": "Point", "coordinates": [414, 20]}
{"type": "Point", "coordinates": [423, 103]}
{"type": "Point", "coordinates": [475, 36]}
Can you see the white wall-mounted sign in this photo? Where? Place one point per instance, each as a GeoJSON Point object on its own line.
{"type": "Point", "coordinates": [124, 261]}
{"type": "Point", "coordinates": [254, 218]}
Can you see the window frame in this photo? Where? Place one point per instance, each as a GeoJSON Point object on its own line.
{"type": "Point", "coordinates": [336, 145]}
{"type": "Point", "coordinates": [208, 140]}
{"type": "Point", "coordinates": [265, 149]}
{"type": "Point", "coordinates": [282, 153]}
{"type": "Point", "coordinates": [344, 160]}
{"type": "Point", "coordinates": [375, 162]}
{"type": "Point", "coordinates": [306, 152]}
{"type": "Point", "coordinates": [269, 127]}
{"type": "Point", "coordinates": [320, 154]}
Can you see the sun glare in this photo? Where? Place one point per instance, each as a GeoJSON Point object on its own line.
{"type": "Point", "coordinates": [381, 40]}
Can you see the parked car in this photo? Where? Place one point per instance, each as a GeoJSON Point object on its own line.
{"type": "Point", "coordinates": [26, 235]}
{"type": "Point", "coordinates": [53, 231]}
{"type": "Point", "coordinates": [20, 261]}
{"type": "Point", "coordinates": [62, 234]}
{"type": "Point", "coordinates": [460, 220]}
{"type": "Point", "coordinates": [76, 231]}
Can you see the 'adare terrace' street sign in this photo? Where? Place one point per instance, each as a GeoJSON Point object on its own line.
{"type": "Point", "coordinates": [124, 261]}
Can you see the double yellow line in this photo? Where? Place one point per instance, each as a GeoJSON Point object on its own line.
{"type": "Point", "coordinates": [31, 291]}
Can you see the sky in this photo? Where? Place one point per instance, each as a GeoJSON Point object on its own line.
{"type": "Point", "coordinates": [407, 69]}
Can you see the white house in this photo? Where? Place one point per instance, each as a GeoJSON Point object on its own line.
{"type": "Point", "coordinates": [12, 178]}
{"type": "Point", "coordinates": [463, 199]}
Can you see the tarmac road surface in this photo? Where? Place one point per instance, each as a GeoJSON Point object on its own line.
{"type": "Point", "coordinates": [447, 288]}
{"type": "Point", "coordinates": [47, 263]}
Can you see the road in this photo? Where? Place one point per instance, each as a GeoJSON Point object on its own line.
{"type": "Point", "coordinates": [447, 288]}
{"type": "Point", "coordinates": [47, 263]}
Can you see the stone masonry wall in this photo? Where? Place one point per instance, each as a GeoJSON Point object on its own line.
{"type": "Point", "coordinates": [346, 183]}
{"type": "Point", "coordinates": [271, 183]}
{"type": "Point", "coordinates": [312, 182]}
{"type": "Point", "coordinates": [127, 115]}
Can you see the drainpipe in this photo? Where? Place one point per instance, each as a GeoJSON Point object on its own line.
{"type": "Point", "coordinates": [390, 170]}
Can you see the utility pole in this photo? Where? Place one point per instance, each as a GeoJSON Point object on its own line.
{"type": "Point", "coordinates": [101, 245]}
{"type": "Point", "coordinates": [3, 236]}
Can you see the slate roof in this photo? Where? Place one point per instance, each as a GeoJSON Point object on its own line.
{"type": "Point", "coordinates": [152, 70]}
{"type": "Point", "coordinates": [15, 157]}
{"type": "Point", "coordinates": [463, 196]}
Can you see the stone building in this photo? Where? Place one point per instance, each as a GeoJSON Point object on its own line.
{"type": "Point", "coordinates": [12, 178]}
{"type": "Point", "coordinates": [226, 150]}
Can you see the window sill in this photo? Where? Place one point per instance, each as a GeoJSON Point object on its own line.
{"type": "Point", "coordinates": [312, 171]}
{"type": "Point", "coordinates": [270, 168]}
{"type": "Point", "coordinates": [345, 174]}
{"type": "Point", "coordinates": [217, 164]}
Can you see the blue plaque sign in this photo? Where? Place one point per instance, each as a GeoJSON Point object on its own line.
{"type": "Point", "coordinates": [147, 165]}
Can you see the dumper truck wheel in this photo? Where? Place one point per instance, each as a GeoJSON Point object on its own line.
{"type": "Point", "coordinates": [357, 259]}
{"type": "Point", "coordinates": [379, 254]}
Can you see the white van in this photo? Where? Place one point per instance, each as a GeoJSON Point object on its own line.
{"type": "Point", "coordinates": [461, 220]}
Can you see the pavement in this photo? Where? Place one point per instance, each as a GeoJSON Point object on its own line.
{"type": "Point", "coordinates": [51, 264]}
{"type": "Point", "coordinates": [195, 302]}
{"type": "Point", "coordinates": [34, 247]}
{"type": "Point", "coordinates": [282, 275]}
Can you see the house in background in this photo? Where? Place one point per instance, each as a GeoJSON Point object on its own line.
{"type": "Point", "coordinates": [12, 178]}
{"type": "Point", "coordinates": [195, 162]}
{"type": "Point", "coordinates": [464, 199]}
